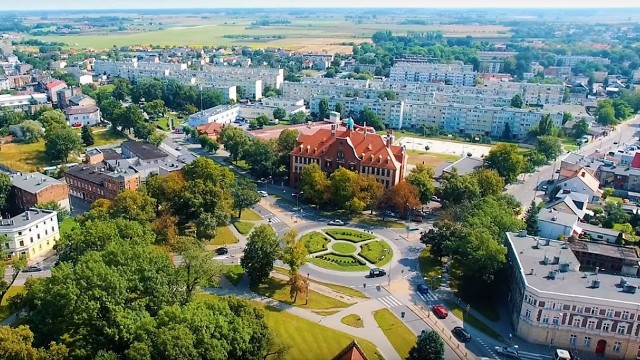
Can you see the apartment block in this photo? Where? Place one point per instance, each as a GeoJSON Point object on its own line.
{"type": "Point", "coordinates": [222, 114]}
{"type": "Point", "coordinates": [573, 60]}
{"type": "Point", "coordinates": [31, 189]}
{"type": "Point", "coordinates": [493, 61]}
{"type": "Point", "coordinates": [390, 112]}
{"type": "Point", "coordinates": [452, 74]}
{"type": "Point", "coordinates": [31, 233]}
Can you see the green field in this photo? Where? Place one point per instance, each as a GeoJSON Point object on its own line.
{"type": "Point", "coordinates": [398, 333]}
{"type": "Point", "coordinates": [314, 242]}
{"type": "Point", "coordinates": [348, 235]}
{"type": "Point", "coordinates": [233, 273]}
{"type": "Point", "coordinates": [224, 236]}
{"type": "Point", "coordinates": [343, 248]}
{"type": "Point", "coordinates": [377, 252]}
{"type": "Point", "coordinates": [250, 215]}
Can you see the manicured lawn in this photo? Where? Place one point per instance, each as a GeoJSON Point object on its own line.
{"type": "Point", "coordinates": [353, 320]}
{"type": "Point", "coordinates": [278, 290]}
{"type": "Point", "coordinates": [163, 123]}
{"type": "Point", "coordinates": [309, 340]}
{"type": "Point", "coordinates": [224, 236]}
{"type": "Point", "coordinates": [471, 320]}
{"type": "Point", "coordinates": [380, 223]}
{"type": "Point", "coordinates": [348, 235]}
{"type": "Point", "coordinates": [343, 248]}
{"type": "Point", "coordinates": [335, 287]}
{"type": "Point", "coordinates": [377, 252]}
{"type": "Point", "coordinates": [570, 144]}
{"type": "Point", "coordinates": [430, 267]}
{"type": "Point", "coordinates": [233, 273]}
{"type": "Point", "coordinates": [67, 225]}
{"type": "Point", "coordinates": [24, 157]}
{"type": "Point", "coordinates": [250, 215]}
{"type": "Point", "coordinates": [339, 262]}
{"type": "Point", "coordinates": [243, 227]}
{"type": "Point", "coordinates": [314, 242]}
{"type": "Point", "coordinates": [398, 333]}
{"type": "Point", "coordinates": [106, 137]}
{"type": "Point", "coordinates": [4, 308]}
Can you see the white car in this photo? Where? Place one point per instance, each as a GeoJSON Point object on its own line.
{"type": "Point", "coordinates": [336, 223]}
{"type": "Point", "coordinates": [507, 351]}
{"type": "Point", "coordinates": [263, 193]}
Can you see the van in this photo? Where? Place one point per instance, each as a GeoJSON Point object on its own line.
{"type": "Point", "coordinates": [560, 354]}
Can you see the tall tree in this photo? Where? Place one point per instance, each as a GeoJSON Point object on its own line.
{"type": "Point", "coordinates": [314, 184]}
{"type": "Point", "coordinates": [368, 190]}
{"type": "Point", "coordinates": [489, 182]}
{"type": "Point", "coordinates": [17, 343]}
{"type": "Point", "coordinates": [517, 102]}
{"type": "Point", "coordinates": [134, 206]}
{"type": "Point", "coordinates": [261, 156]}
{"type": "Point", "coordinates": [5, 189]}
{"type": "Point", "coordinates": [546, 126]}
{"type": "Point", "coordinates": [87, 136]}
{"type": "Point", "coordinates": [458, 188]}
{"type": "Point", "coordinates": [32, 131]}
{"type": "Point", "coordinates": [506, 160]}
{"type": "Point", "coordinates": [60, 142]}
{"type": "Point", "coordinates": [323, 108]}
{"type": "Point", "coordinates": [422, 178]}
{"type": "Point", "coordinates": [260, 254]}
{"type": "Point", "coordinates": [235, 141]}
{"type": "Point", "coordinates": [53, 118]}
{"type": "Point", "coordinates": [279, 113]}
{"type": "Point", "coordinates": [429, 346]}
{"type": "Point", "coordinates": [507, 134]}
{"type": "Point", "coordinates": [531, 219]}
{"type": "Point", "coordinates": [196, 269]}
{"type": "Point", "coordinates": [294, 253]}
{"type": "Point", "coordinates": [206, 226]}
{"type": "Point", "coordinates": [245, 195]}
{"type": "Point", "coordinates": [122, 89]}
{"type": "Point", "coordinates": [580, 128]}
{"type": "Point", "coordinates": [549, 146]}
{"type": "Point", "coordinates": [342, 183]}
{"type": "Point", "coordinates": [402, 197]}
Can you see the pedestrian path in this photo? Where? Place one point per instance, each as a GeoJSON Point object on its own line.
{"type": "Point", "coordinates": [390, 301]}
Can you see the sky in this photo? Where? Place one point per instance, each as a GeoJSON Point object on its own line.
{"type": "Point", "coordinates": [156, 4]}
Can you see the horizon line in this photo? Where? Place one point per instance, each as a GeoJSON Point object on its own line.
{"type": "Point", "coordinates": [484, 7]}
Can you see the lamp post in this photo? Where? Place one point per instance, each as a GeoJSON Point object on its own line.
{"type": "Point", "coordinates": [297, 195]}
{"type": "Point", "coordinates": [306, 301]}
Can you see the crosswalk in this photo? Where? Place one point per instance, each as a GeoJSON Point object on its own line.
{"type": "Point", "coordinates": [429, 297]}
{"type": "Point", "coordinates": [533, 356]}
{"type": "Point", "coordinates": [273, 220]}
{"type": "Point", "coordinates": [390, 301]}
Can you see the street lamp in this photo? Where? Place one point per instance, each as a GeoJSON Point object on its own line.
{"type": "Point", "coordinates": [297, 195]}
{"type": "Point", "coordinates": [306, 301]}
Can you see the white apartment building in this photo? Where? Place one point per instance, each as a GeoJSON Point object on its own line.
{"type": "Point", "coordinates": [453, 74]}
{"type": "Point", "coordinates": [22, 102]}
{"type": "Point", "coordinates": [556, 300]}
{"type": "Point", "coordinates": [573, 60]}
{"type": "Point", "coordinates": [252, 111]}
{"type": "Point", "coordinates": [222, 114]}
{"type": "Point", "coordinates": [389, 111]}
{"type": "Point", "coordinates": [493, 61]}
{"type": "Point", "coordinates": [32, 233]}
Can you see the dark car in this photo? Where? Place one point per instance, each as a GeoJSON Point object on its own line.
{"type": "Point", "coordinates": [573, 355]}
{"type": "Point", "coordinates": [33, 268]}
{"type": "Point", "coordinates": [222, 251]}
{"type": "Point", "coordinates": [377, 272]}
{"type": "Point", "coordinates": [423, 289]}
{"type": "Point", "coordinates": [462, 334]}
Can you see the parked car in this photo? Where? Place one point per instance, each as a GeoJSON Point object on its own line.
{"type": "Point", "coordinates": [423, 289]}
{"type": "Point", "coordinates": [336, 223]}
{"type": "Point", "coordinates": [440, 311]}
{"type": "Point", "coordinates": [222, 251]}
{"type": "Point", "coordinates": [377, 272]}
{"type": "Point", "coordinates": [33, 268]}
{"type": "Point", "coordinates": [507, 351]}
{"type": "Point", "coordinates": [417, 219]}
{"type": "Point", "coordinates": [462, 334]}
{"type": "Point", "coordinates": [263, 193]}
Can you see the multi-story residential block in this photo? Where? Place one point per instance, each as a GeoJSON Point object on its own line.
{"type": "Point", "coordinates": [83, 115]}
{"type": "Point", "coordinates": [31, 233]}
{"type": "Point", "coordinates": [353, 148]}
{"type": "Point", "coordinates": [389, 111]}
{"type": "Point", "coordinates": [493, 61]}
{"type": "Point", "coordinates": [573, 60]}
{"type": "Point", "coordinates": [22, 102]}
{"type": "Point", "coordinates": [557, 300]}
{"type": "Point", "coordinates": [452, 74]}
{"type": "Point", "coordinates": [222, 114]}
{"type": "Point", "coordinates": [31, 189]}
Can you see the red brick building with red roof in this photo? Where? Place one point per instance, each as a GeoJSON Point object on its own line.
{"type": "Point", "coordinates": [357, 150]}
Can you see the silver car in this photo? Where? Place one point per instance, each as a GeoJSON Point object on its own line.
{"type": "Point", "coordinates": [507, 351]}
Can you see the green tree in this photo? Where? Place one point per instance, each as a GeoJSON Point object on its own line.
{"type": "Point", "coordinates": [262, 120]}
{"type": "Point", "coordinates": [190, 109]}
{"type": "Point", "coordinates": [235, 141]}
{"type": "Point", "coordinates": [87, 136]}
{"type": "Point", "coordinates": [367, 190]}
{"type": "Point", "coordinates": [506, 160]}
{"type": "Point", "coordinates": [546, 126]}
{"type": "Point", "coordinates": [456, 188]}
{"type": "Point", "coordinates": [422, 178]}
{"type": "Point", "coordinates": [402, 197]}
{"type": "Point", "coordinates": [531, 219]}
{"type": "Point", "coordinates": [489, 182]}
{"type": "Point", "coordinates": [507, 134]}
{"type": "Point", "coordinates": [549, 146]}
{"type": "Point", "coordinates": [122, 89]}
{"type": "Point", "coordinates": [261, 156]}
{"type": "Point", "coordinates": [606, 115]}
{"type": "Point", "coordinates": [367, 116]}
{"type": "Point", "coordinates": [129, 117]}
{"type": "Point", "coordinates": [580, 128]}
{"type": "Point", "coordinates": [196, 269]}
{"type": "Point", "coordinates": [110, 109]}
{"type": "Point", "coordinates": [60, 142]}
{"type": "Point", "coordinates": [260, 254]}
{"type": "Point", "coordinates": [566, 117]}
{"type": "Point", "coordinates": [279, 113]}
{"type": "Point", "coordinates": [323, 109]}
{"type": "Point", "coordinates": [517, 102]}
{"type": "Point", "coordinates": [143, 130]}
{"type": "Point", "coordinates": [206, 226]}
{"type": "Point", "coordinates": [154, 108]}
{"type": "Point", "coordinates": [53, 118]}
{"type": "Point", "coordinates": [245, 195]}
{"type": "Point", "coordinates": [622, 110]}
{"type": "Point", "coordinates": [429, 346]}
{"type": "Point", "coordinates": [314, 184]}
{"type": "Point", "coordinates": [17, 343]}
{"type": "Point", "coordinates": [157, 137]}
{"type": "Point", "coordinates": [339, 108]}
{"type": "Point", "coordinates": [134, 206]}
{"type": "Point", "coordinates": [341, 183]}
{"type": "Point", "coordinates": [32, 131]}
{"type": "Point", "coordinates": [294, 253]}
{"type": "Point", "coordinates": [5, 189]}
{"type": "Point", "coordinates": [297, 118]}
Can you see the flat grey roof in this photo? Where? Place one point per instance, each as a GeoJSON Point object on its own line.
{"type": "Point", "coordinates": [557, 217]}
{"type": "Point", "coordinates": [570, 283]}
{"type": "Point", "coordinates": [598, 229]}
{"type": "Point", "coordinates": [465, 165]}
{"type": "Point", "coordinates": [33, 182]}
{"type": "Point", "coordinates": [21, 220]}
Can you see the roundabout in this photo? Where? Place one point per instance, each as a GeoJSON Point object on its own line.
{"type": "Point", "coordinates": [344, 248]}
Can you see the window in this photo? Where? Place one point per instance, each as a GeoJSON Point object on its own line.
{"type": "Point", "coordinates": [556, 320]}
{"type": "Point", "coordinates": [609, 313]}
{"type": "Point", "coordinates": [587, 341]}
{"type": "Point", "coordinates": [558, 306]}
{"type": "Point", "coordinates": [579, 309]}
{"type": "Point", "coordinates": [38, 236]}
{"type": "Point", "coordinates": [606, 327]}
{"type": "Point", "coordinates": [545, 319]}
{"type": "Point", "coordinates": [573, 339]}
{"type": "Point", "coordinates": [617, 346]}
{"type": "Point", "coordinates": [577, 322]}
{"type": "Point", "coordinates": [19, 232]}
{"type": "Point", "coordinates": [594, 311]}
{"type": "Point", "coordinates": [21, 243]}
{"type": "Point", "coordinates": [591, 324]}
{"type": "Point", "coordinates": [622, 329]}
{"type": "Point", "coordinates": [625, 315]}
{"type": "Point", "coordinates": [527, 314]}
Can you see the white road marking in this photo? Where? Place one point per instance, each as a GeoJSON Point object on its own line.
{"type": "Point", "coordinates": [390, 301]}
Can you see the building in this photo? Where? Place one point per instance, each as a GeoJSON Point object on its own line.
{"type": "Point", "coordinates": [353, 351]}
{"type": "Point", "coordinates": [556, 300]}
{"type": "Point", "coordinates": [554, 224]}
{"type": "Point", "coordinates": [451, 74]}
{"type": "Point", "coordinates": [353, 148]}
{"type": "Point", "coordinates": [222, 114]}
{"type": "Point", "coordinates": [52, 88]}
{"type": "Point", "coordinates": [464, 166]}
{"type": "Point", "coordinates": [145, 152]}
{"type": "Point", "coordinates": [573, 60]}
{"type": "Point", "coordinates": [31, 189]}
{"type": "Point", "coordinates": [582, 182]}
{"type": "Point", "coordinates": [389, 111]}
{"type": "Point", "coordinates": [211, 130]}
{"type": "Point", "coordinates": [91, 183]}
{"type": "Point", "coordinates": [83, 115]}
{"type": "Point", "coordinates": [22, 102]}
{"type": "Point", "coordinates": [31, 233]}
{"type": "Point", "coordinates": [598, 233]}
{"type": "Point", "coordinates": [493, 61]}
{"type": "Point", "coordinates": [252, 111]}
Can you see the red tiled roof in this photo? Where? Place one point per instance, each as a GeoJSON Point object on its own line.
{"type": "Point", "coordinates": [370, 148]}
{"type": "Point", "coordinates": [210, 128]}
{"type": "Point", "coordinates": [351, 352]}
{"type": "Point", "coordinates": [635, 163]}
{"type": "Point", "coordinates": [54, 83]}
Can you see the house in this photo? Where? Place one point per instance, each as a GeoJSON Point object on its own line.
{"type": "Point", "coordinates": [583, 181]}
{"type": "Point", "coordinates": [464, 166]}
{"type": "Point", "coordinates": [353, 351]}
{"type": "Point", "coordinates": [52, 88]}
{"type": "Point", "coordinates": [570, 203]}
{"type": "Point", "coordinates": [91, 183]}
{"type": "Point", "coordinates": [553, 224]}
{"type": "Point", "coordinates": [144, 151]}
{"type": "Point", "coordinates": [83, 115]}
{"type": "Point", "coordinates": [81, 100]}
{"type": "Point", "coordinates": [212, 130]}
{"type": "Point", "coordinates": [31, 189]}
{"type": "Point", "coordinates": [351, 147]}
{"type": "Point", "coordinates": [598, 233]}
{"type": "Point", "coordinates": [31, 233]}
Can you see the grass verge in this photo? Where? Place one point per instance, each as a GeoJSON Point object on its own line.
{"type": "Point", "coordinates": [344, 248]}
{"type": "Point", "coordinates": [326, 312]}
{"type": "Point", "coordinates": [380, 223]}
{"type": "Point", "coordinates": [314, 242]}
{"type": "Point", "coordinates": [430, 268]}
{"type": "Point", "coordinates": [243, 227]}
{"type": "Point", "coordinates": [337, 262]}
{"type": "Point", "coordinates": [224, 236]}
{"type": "Point", "coordinates": [471, 320]}
{"type": "Point", "coordinates": [233, 273]}
{"type": "Point", "coordinates": [278, 290]}
{"type": "Point", "coordinates": [348, 235]}
{"type": "Point", "coordinates": [353, 320]}
{"type": "Point", "coordinates": [401, 338]}
{"type": "Point", "coordinates": [377, 252]}
{"type": "Point", "coordinates": [250, 215]}
{"type": "Point", "coordinates": [106, 137]}
{"type": "Point", "coordinates": [4, 306]}
{"type": "Point", "coordinates": [335, 287]}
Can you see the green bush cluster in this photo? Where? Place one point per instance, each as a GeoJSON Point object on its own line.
{"type": "Point", "coordinates": [343, 260]}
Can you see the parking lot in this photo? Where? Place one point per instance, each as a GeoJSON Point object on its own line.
{"type": "Point", "coordinates": [445, 147]}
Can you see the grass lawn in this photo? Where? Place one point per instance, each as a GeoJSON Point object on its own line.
{"type": "Point", "coordinates": [67, 224]}
{"type": "Point", "coordinates": [377, 252]}
{"type": "Point", "coordinates": [398, 333]}
{"type": "Point", "coordinates": [24, 157]}
{"type": "Point", "coordinates": [4, 308]}
{"type": "Point", "coordinates": [344, 248]}
{"type": "Point", "coordinates": [379, 222]}
{"type": "Point", "coordinates": [309, 340]}
{"type": "Point", "coordinates": [339, 262]}
{"type": "Point", "coordinates": [472, 320]}
{"type": "Point", "coordinates": [243, 227]}
{"type": "Point", "coordinates": [314, 242]}
{"type": "Point", "coordinates": [224, 236]}
{"type": "Point", "coordinates": [353, 320]}
{"type": "Point", "coordinates": [348, 235]}
{"type": "Point", "coordinates": [163, 122]}
{"type": "Point", "coordinates": [278, 290]}
{"type": "Point", "coordinates": [570, 144]}
{"type": "Point", "coordinates": [233, 273]}
{"type": "Point", "coordinates": [106, 137]}
{"type": "Point", "coordinates": [431, 158]}
{"type": "Point", "coordinates": [326, 312]}
{"type": "Point", "coordinates": [250, 215]}
{"type": "Point", "coordinates": [430, 267]}
{"type": "Point", "coordinates": [335, 287]}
